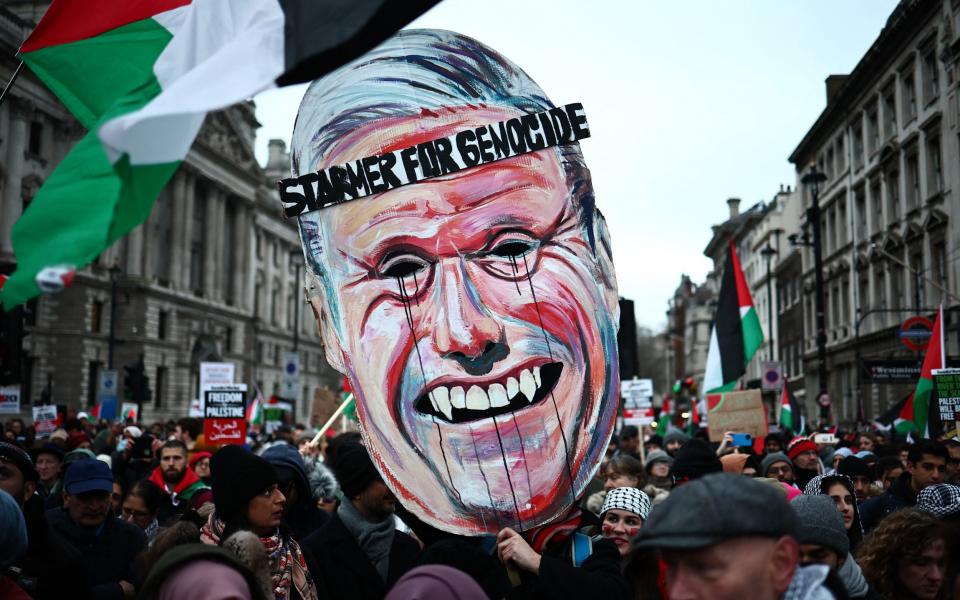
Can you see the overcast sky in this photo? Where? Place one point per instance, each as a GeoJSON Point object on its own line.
{"type": "Point", "coordinates": [689, 103]}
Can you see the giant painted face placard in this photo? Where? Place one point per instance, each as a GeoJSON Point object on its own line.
{"type": "Point", "coordinates": [474, 313]}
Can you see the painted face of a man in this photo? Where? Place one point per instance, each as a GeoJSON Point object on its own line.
{"type": "Point", "coordinates": [475, 315]}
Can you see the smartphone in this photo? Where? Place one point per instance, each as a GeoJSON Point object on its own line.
{"type": "Point", "coordinates": [825, 438]}
{"type": "Point", "coordinates": [742, 439]}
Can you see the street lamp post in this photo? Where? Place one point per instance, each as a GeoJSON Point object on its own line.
{"type": "Point", "coordinates": [768, 253]}
{"type": "Point", "coordinates": [115, 272]}
{"type": "Point", "coordinates": [814, 178]}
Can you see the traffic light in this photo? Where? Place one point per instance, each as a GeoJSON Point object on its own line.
{"type": "Point", "coordinates": [136, 384]}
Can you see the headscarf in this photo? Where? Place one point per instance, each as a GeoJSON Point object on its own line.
{"type": "Point", "coordinates": [436, 582]}
{"type": "Point", "coordinates": [629, 499]}
{"type": "Point", "coordinates": [287, 565]}
{"type": "Point", "coordinates": [820, 484]}
{"type": "Point", "coordinates": [204, 579]}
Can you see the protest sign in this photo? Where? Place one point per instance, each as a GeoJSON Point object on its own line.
{"type": "Point", "coordinates": [9, 400]}
{"type": "Point", "coordinates": [130, 410]}
{"type": "Point", "coordinates": [223, 412]}
{"type": "Point", "coordinates": [214, 373]}
{"type": "Point", "coordinates": [946, 382]}
{"type": "Point", "coordinates": [740, 412]}
{"type": "Point", "coordinates": [45, 420]}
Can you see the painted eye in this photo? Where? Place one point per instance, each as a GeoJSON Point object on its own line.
{"type": "Point", "coordinates": [511, 249]}
{"type": "Point", "coordinates": [402, 266]}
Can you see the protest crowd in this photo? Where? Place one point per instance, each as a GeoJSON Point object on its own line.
{"type": "Point", "coordinates": [101, 510]}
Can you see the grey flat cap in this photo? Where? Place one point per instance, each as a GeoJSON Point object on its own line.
{"type": "Point", "coordinates": [714, 509]}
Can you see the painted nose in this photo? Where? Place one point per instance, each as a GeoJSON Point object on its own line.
{"type": "Point", "coordinates": [465, 331]}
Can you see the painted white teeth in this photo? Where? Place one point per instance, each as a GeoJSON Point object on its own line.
{"type": "Point", "coordinates": [527, 385]}
{"type": "Point", "coordinates": [477, 399]}
{"type": "Point", "coordinates": [441, 401]}
{"type": "Point", "coordinates": [536, 376]}
{"type": "Point", "coordinates": [498, 395]}
{"type": "Point", "coordinates": [458, 397]}
{"type": "Point", "coordinates": [513, 387]}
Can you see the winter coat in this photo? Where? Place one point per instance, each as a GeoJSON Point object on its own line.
{"type": "Point", "coordinates": [338, 563]}
{"type": "Point", "coordinates": [598, 577]}
{"type": "Point", "coordinates": [51, 567]}
{"type": "Point", "coordinates": [900, 495]}
{"type": "Point", "coordinates": [107, 553]}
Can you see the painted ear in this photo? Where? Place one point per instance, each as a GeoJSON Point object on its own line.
{"type": "Point", "coordinates": [604, 258]}
{"type": "Point", "coordinates": [316, 296]}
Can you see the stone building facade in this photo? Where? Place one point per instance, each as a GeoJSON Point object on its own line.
{"type": "Point", "coordinates": [888, 144]}
{"type": "Point", "coordinates": [215, 273]}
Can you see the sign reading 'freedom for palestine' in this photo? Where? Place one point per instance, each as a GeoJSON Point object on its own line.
{"type": "Point", "coordinates": [465, 149]}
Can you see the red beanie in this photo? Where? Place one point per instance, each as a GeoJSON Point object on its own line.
{"type": "Point", "coordinates": [798, 446]}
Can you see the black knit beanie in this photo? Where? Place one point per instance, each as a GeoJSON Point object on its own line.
{"type": "Point", "coordinates": [354, 469]}
{"type": "Point", "coordinates": [237, 477]}
{"type": "Point", "coordinates": [853, 466]}
{"type": "Point", "coordinates": [695, 459]}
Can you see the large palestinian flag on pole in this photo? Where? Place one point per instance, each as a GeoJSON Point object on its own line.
{"type": "Point", "coordinates": [141, 75]}
{"type": "Point", "coordinates": [791, 417]}
{"type": "Point", "coordinates": [736, 333]}
{"type": "Point", "coordinates": [917, 412]}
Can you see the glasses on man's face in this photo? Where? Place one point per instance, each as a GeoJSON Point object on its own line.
{"type": "Point", "coordinates": [779, 470]}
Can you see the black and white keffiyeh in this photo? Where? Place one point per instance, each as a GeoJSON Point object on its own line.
{"type": "Point", "coordinates": [628, 499]}
{"type": "Point", "coordinates": [941, 499]}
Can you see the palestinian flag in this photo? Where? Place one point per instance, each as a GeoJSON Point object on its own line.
{"type": "Point", "coordinates": [791, 418]}
{"type": "Point", "coordinates": [736, 333]}
{"type": "Point", "coordinates": [140, 76]}
{"type": "Point", "coordinates": [666, 415]}
{"type": "Point", "coordinates": [917, 412]}
{"type": "Point", "coordinates": [255, 409]}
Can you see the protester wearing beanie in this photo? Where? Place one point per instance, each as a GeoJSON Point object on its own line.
{"type": "Point", "coordinates": [806, 463]}
{"type": "Point", "coordinates": [359, 553]}
{"type": "Point", "coordinates": [674, 440]}
{"type": "Point", "coordinates": [247, 497]}
{"type": "Point", "coordinates": [823, 540]}
{"type": "Point", "coordinates": [658, 465]}
{"type": "Point", "coordinates": [857, 470]}
{"type": "Point", "coordinates": [781, 464]}
{"type": "Point", "coordinates": [694, 460]}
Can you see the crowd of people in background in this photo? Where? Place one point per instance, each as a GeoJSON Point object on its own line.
{"type": "Point", "coordinates": [109, 510]}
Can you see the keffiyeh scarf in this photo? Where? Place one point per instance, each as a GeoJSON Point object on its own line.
{"type": "Point", "coordinates": [287, 565]}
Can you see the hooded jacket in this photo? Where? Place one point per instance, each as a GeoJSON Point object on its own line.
{"type": "Point", "coordinates": [900, 495]}
{"type": "Point", "coordinates": [303, 518]}
{"type": "Point", "coordinates": [189, 492]}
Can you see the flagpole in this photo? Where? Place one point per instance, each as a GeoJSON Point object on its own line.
{"type": "Point", "coordinates": [6, 88]}
{"type": "Point", "coordinates": [343, 406]}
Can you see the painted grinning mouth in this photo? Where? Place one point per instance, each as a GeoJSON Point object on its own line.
{"type": "Point", "coordinates": [462, 404]}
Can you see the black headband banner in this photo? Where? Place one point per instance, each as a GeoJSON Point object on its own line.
{"type": "Point", "coordinates": [465, 149]}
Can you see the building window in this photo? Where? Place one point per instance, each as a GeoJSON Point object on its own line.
{"type": "Point", "coordinates": [938, 268]}
{"type": "Point", "coordinates": [880, 289]}
{"type": "Point", "coordinates": [841, 226]}
{"type": "Point", "coordinates": [161, 225]}
{"type": "Point", "coordinates": [860, 198]}
{"type": "Point", "coordinates": [198, 239]}
{"type": "Point", "coordinates": [909, 97]}
{"type": "Point", "coordinates": [829, 163]}
{"type": "Point", "coordinates": [896, 286]}
{"type": "Point", "coordinates": [858, 147]}
{"type": "Point", "coordinates": [35, 139]}
{"type": "Point", "coordinates": [229, 262]}
{"type": "Point", "coordinates": [873, 131]}
{"type": "Point", "coordinates": [841, 154]}
{"type": "Point", "coordinates": [259, 352]}
{"type": "Point", "coordinates": [159, 386]}
{"type": "Point", "coordinates": [913, 182]}
{"type": "Point", "coordinates": [934, 165]}
{"type": "Point", "coordinates": [916, 266]}
{"type": "Point", "coordinates": [893, 197]}
{"type": "Point", "coordinates": [864, 291]}
{"type": "Point", "coordinates": [93, 382]}
{"type": "Point", "coordinates": [889, 113]}
{"type": "Point", "coordinates": [931, 76]}
{"type": "Point", "coordinates": [275, 303]}
{"type": "Point", "coordinates": [259, 244]}
{"type": "Point", "coordinates": [228, 340]}
{"type": "Point", "coordinates": [96, 316]}
{"type": "Point", "coordinates": [162, 318]}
